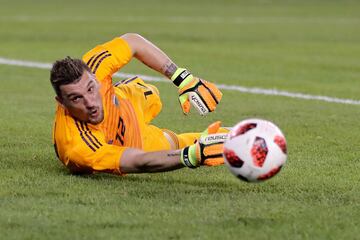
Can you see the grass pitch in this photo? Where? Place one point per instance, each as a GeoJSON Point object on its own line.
{"type": "Point", "coordinates": [309, 46]}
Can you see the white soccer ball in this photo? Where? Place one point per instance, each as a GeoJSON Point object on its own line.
{"type": "Point", "coordinates": [255, 150]}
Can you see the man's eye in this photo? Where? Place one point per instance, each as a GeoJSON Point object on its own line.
{"type": "Point", "coordinates": [91, 89]}
{"type": "Point", "coordinates": [75, 99]}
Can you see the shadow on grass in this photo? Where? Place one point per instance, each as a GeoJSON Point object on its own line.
{"type": "Point", "coordinates": [178, 180]}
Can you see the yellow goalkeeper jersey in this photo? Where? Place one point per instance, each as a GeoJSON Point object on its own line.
{"type": "Point", "coordinates": [129, 106]}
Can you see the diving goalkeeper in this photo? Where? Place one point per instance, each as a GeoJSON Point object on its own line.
{"type": "Point", "coordinates": [101, 127]}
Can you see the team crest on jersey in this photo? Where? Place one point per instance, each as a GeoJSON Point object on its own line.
{"type": "Point", "coordinates": [116, 101]}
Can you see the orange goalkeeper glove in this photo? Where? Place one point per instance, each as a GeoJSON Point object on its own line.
{"type": "Point", "coordinates": [203, 95]}
{"type": "Point", "coordinates": [208, 150]}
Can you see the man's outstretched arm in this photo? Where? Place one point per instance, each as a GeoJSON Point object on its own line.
{"type": "Point", "coordinates": [203, 95]}
{"type": "Point", "coordinates": [149, 54]}
{"type": "Point", "coordinates": [206, 151]}
{"type": "Point", "coordinates": [137, 161]}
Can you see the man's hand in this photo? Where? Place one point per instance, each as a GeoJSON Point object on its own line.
{"type": "Point", "coordinates": [208, 150]}
{"type": "Point", "coordinates": [203, 95]}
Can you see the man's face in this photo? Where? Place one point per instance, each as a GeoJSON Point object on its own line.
{"type": "Point", "coordinates": [83, 99]}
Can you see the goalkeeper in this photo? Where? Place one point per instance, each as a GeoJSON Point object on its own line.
{"type": "Point", "coordinates": [101, 127]}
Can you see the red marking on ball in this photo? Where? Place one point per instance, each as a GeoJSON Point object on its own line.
{"type": "Point", "coordinates": [232, 158]}
{"type": "Point", "coordinates": [281, 142]}
{"type": "Point", "coordinates": [259, 151]}
{"type": "Point", "coordinates": [243, 129]}
{"type": "Point", "coordinates": [270, 174]}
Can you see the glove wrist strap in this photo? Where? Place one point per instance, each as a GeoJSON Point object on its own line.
{"type": "Point", "coordinates": [188, 157]}
{"type": "Point", "coordinates": [181, 77]}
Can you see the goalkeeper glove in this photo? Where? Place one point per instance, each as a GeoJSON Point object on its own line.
{"type": "Point", "coordinates": [203, 95]}
{"type": "Point", "coordinates": [208, 150]}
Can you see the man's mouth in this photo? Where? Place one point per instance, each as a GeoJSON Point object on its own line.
{"type": "Point", "coordinates": [94, 113]}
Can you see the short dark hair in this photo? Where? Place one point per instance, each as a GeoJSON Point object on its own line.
{"type": "Point", "coordinates": [66, 71]}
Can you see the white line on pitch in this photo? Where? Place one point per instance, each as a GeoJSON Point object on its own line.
{"type": "Point", "coordinates": [242, 89]}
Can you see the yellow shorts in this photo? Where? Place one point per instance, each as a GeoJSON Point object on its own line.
{"type": "Point", "coordinates": [147, 108]}
{"type": "Point", "coordinates": [146, 102]}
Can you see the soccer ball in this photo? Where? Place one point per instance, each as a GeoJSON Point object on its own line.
{"type": "Point", "coordinates": [255, 150]}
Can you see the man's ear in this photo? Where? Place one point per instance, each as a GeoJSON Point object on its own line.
{"type": "Point", "coordinates": [59, 100]}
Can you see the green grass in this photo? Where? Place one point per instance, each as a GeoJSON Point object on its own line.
{"type": "Point", "coordinates": [301, 46]}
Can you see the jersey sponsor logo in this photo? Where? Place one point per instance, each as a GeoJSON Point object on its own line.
{"type": "Point", "coordinates": [87, 136]}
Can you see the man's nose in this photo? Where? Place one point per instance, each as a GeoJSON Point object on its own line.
{"type": "Point", "coordinates": [89, 101]}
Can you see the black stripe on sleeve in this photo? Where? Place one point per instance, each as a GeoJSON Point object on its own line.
{"type": "Point", "coordinates": [95, 138]}
{"type": "Point", "coordinates": [97, 58]}
{"type": "Point", "coordinates": [83, 138]}
{"type": "Point", "coordinates": [99, 62]}
{"type": "Point", "coordinates": [88, 62]}
{"type": "Point", "coordinates": [88, 136]}
{"type": "Point", "coordinates": [130, 80]}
